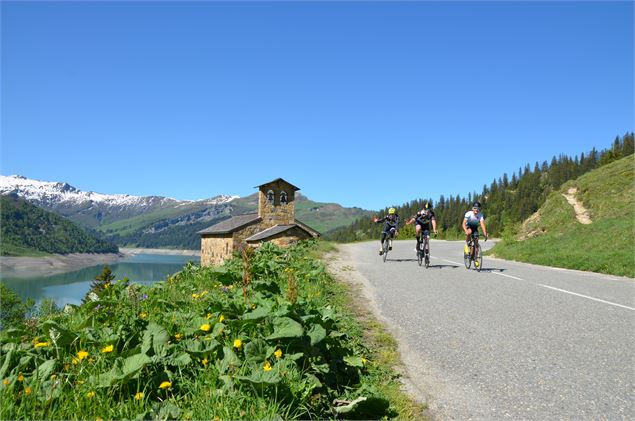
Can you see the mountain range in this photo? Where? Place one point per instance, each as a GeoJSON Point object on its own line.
{"type": "Point", "coordinates": [156, 221]}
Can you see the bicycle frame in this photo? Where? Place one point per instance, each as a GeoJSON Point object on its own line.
{"type": "Point", "coordinates": [475, 254]}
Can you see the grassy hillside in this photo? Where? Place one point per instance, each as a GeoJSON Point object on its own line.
{"type": "Point", "coordinates": [28, 230]}
{"type": "Point", "coordinates": [321, 216]}
{"type": "Point", "coordinates": [554, 237]}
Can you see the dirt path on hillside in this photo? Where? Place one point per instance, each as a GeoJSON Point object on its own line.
{"type": "Point", "coordinates": [581, 213]}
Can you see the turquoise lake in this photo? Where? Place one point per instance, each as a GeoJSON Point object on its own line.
{"type": "Point", "coordinates": [71, 287]}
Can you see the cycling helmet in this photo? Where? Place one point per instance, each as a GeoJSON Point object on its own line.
{"type": "Point", "coordinates": [477, 205]}
{"type": "Point", "coordinates": [391, 211]}
{"type": "Point", "coordinates": [428, 204]}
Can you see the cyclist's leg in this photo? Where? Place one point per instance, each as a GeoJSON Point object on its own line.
{"type": "Point", "coordinates": [468, 237]}
{"type": "Point", "coordinates": [426, 238]}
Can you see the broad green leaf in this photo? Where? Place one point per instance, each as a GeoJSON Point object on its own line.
{"type": "Point", "coordinates": [257, 314]}
{"type": "Point", "coordinates": [58, 333]}
{"type": "Point", "coordinates": [317, 333]}
{"type": "Point", "coordinates": [285, 327]}
{"type": "Point", "coordinates": [44, 370]}
{"type": "Point", "coordinates": [132, 365]}
{"type": "Point", "coordinates": [156, 338]}
{"type": "Point", "coordinates": [350, 407]}
{"type": "Point", "coordinates": [6, 362]}
{"type": "Point", "coordinates": [256, 350]}
{"type": "Point", "coordinates": [311, 381]}
{"type": "Point", "coordinates": [230, 359]}
{"type": "Point", "coordinates": [11, 335]}
{"type": "Point", "coordinates": [354, 361]}
{"type": "Point", "coordinates": [200, 348]}
{"type": "Point", "coordinates": [181, 360]}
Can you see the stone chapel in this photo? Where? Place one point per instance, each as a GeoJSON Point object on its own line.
{"type": "Point", "coordinates": [275, 222]}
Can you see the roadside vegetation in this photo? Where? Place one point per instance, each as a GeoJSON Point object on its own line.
{"type": "Point", "coordinates": [265, 336]}
{"type": "Point", "coordinates": [554, 237]}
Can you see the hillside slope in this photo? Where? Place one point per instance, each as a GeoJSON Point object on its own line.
{"type": "Point", "coordinates": [28, 230]}
{"type": "Point", "coordinates": [554, 236]}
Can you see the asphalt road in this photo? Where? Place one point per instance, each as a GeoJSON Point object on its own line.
{"type": "Point", "coordinates": [515, 341]}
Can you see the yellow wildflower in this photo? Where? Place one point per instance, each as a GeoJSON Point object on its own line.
{"type": "Point", "coordinates": [364, 360]}
{"type": "Point", "coordinates": [238, 343]}
{"type": "Point", "coordinates": [108, 348]}
{"type": "Point", "coordinates": [195, 296]}
{"type": "Point", "coordinates": [82, 354]}
{"type": "Point", "coordinates": [209, 316]}
{"type": "Point", "coordinates": [178, 336]}
{"type": "Point", "coordinates": [106, 286]}
{"type": "Point", "coordinates": [205, 362]}
{"type": "Point", "coordinates": [27, 390]}
{"type": "Point", "coordinates": [204, 292]}
{"type": "Point", "coordinates": [20, 377]}
{"type": "Point", "coordinates": [266, 366]}
{"type": "Point", "coordinates": [165, 385]}
{"type": "Point", "coordinates": [278, 353]}
{"type": "Point", "coordinates": [221, 318]}
{"type": "Point", "coordinates": [75, 361]}
{"type": "Point", "coordinates": [90, 394]}
{"type": "Point", "coordinates": [53, 376]}
{"type": "Point", "coordinates": [205, 327]}
{"type": "Point", "coordinates": [138, 396]}
{"type": "Point", "coordinates": [40, 344]}
{"type": "Point", "coordinates": [5, 382]}
{"type": "Point", "coordinates": [143, 315]}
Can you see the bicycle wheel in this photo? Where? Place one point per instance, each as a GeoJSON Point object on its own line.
{"type": "Point", "coordinates": [426, 250]}
{"type": "Point", "coordinates": [478, 258]}
{"type": "Point", "coordinates": [386, 248]}
{"type": "Point", "coordinates": [467, 259]}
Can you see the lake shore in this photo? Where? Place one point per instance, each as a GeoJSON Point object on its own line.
{"type": "Point", "coordinates": [24, 267]}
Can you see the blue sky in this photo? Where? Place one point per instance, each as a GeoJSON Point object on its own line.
{"type": "Point", "coordinates": [365, 104]}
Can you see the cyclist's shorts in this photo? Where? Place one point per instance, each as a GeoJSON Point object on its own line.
{"type": "Point", "coordinates": [473, 227]}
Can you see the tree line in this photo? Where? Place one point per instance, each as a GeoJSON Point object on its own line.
{"type": "Point", "coordinates": [506, 202]}
{"type": "Point", "coordinates": [26, 227]}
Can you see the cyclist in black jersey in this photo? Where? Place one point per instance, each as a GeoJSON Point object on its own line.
{"type": "Point", "coordinates": [425, 219]}
{"type": "Point", "coordinates": [391, 223]}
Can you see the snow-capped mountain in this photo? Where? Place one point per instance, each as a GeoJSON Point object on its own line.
{"type": "Point", "coordinates": [50, 193]}
{"type": "Point", "coordinates": [107, 212]}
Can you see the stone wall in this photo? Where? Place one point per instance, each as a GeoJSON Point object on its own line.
{"type": "Point", "coordinates": [285, 239]}
{"type": "Point", "coordinates": [215, 249]}
{"type": "Point", "coordinates": [276, 213]}
{"type": "Point", "coordinates": [239, 237]}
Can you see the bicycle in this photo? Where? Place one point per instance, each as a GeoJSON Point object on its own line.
{"type": "Point", "coordinates": [475, 254]}
{"type": "Point", "coordinates": [387, 245]}
{"type": "Point", "coordinates": [423, 248]}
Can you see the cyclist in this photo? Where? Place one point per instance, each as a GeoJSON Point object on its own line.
{"type": "Point", "coordinates": [391, 221]}
{"type": "Point", "coordinates": [424, 219]}
{"type": "Point", "coordinates": [471, 222]}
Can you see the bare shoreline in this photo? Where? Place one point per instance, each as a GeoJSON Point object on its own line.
{"type": "Point", "coordinates": [23, 267]}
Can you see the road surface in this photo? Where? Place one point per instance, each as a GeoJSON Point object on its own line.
{"type": "Point", "coordinates": [515, 341]}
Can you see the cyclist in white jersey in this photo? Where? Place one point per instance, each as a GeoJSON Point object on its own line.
{"type": "Point", "coordinates": [471, 221]}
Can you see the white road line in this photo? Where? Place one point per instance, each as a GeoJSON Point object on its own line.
{"type": "Point", "coordinates": [450, 261]}
{"type": "Point", "coordinates": [509, 276]}
{"type": "Point", "coordinates": [586, 296]}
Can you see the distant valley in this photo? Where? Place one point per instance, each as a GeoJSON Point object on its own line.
{"type": "Point", "coordinates": [155, 221]}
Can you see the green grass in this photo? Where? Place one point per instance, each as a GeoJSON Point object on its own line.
{"type": "Point", "coordinates": [607, 245]}
{"type": "Point", "coordinates": [300, 349]}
